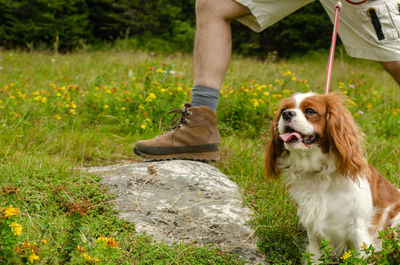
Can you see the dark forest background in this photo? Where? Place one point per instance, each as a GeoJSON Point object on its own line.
{"type": "Point", "coordinates": [165, 26]}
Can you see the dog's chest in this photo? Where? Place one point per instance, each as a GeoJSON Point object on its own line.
{"type": "Point", "coordinates": [331, 208]}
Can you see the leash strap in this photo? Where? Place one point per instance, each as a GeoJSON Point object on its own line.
{"type": "Point", "coordinates": [338, 6]}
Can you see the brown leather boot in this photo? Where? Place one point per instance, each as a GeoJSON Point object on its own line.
{"type": "Point", "coordinates": [194, 135]}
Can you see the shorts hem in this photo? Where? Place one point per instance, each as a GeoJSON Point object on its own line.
{"type": "Point", "coordinates": [257, 20]}
{"type": "Point", "coordinates": [368, 54]}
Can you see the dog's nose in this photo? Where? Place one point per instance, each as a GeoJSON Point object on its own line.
{"type": "Point", "coordinates": [288, 115]}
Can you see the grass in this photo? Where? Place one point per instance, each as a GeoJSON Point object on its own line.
{"type": "Point", "coordinates": [62, 112]}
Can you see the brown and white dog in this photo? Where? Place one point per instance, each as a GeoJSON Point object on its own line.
{"type": "Point", "coordinates": [316, 144]}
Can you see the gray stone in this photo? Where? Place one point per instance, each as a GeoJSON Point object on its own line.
{"type": "Point", "coordinates": [183, 200]}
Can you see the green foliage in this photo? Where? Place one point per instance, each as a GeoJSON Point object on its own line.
{"type": "Point", "coordinates": [161, 25]}
{"type": "Point", "coordinates": [388, 252]}
{"type": "Point", "coordinates": [31, 23]}
{"type": "Point", "coordinates": [111, 19]}
{"type": "Point", "coordinates": [9, 232]}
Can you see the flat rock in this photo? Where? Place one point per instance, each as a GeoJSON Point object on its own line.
{"type": "Point", "coordinates": [183, 200]}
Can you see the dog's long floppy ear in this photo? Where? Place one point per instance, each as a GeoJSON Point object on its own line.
{"type": "Point", "coordinates": [274, 148]}
{"type": "Point", "coordinates": [343, 138]}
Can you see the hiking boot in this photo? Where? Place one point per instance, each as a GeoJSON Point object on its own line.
{"type": "Point", "coordinates": [193, 133]}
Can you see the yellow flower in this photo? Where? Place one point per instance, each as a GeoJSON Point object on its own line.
{"type": "Point", "coordinates": [37, 98]}
{"type": "Point", "coordinates": [73, 105]}
{"type": "Point", "coordinates": [150, 97]}
{"type": "Point", "coordinates": [33, 257]}
{"type": "Point", "coordinates": [36, 93]}
{"type": "Point", "coordinates": [16, 228]}
{"type": "Point", "coordinates": [287, 73]}
{"type": "Point", "coordinates": [58, 94]}
{"type": "Point", "coordinates": [87, 257]}
{"type": "Point", "coordinates": [123, 108]}
{"type": "Point", "coordinates": [9, 211]}
{"type": "Point", "coordinates": [255, 103]}
{"type": "Point", "coordinates": [53, 85]}
{"type": "Point", "coordinates": [108, 241]}
{"type": "Point", "coordinates": [44, 100]}
{"type": "Point", "coordinates": [43, 241]}
{"type": "Point", "coordinates": [159, 70]}
{"type": "Point", "coordinates": [112, 243]}
{"type": "Point", "coordinates": [21, 95]}
{"type": "Point", "coordinates": [279, 82]}
{"type": "Point", "coordinates": [101, 239]}
{"type": "Point", "coordinates": [346, 255]}
{"type": "Point", "coordinates": [80, 249]}
{"type": "Point", "coordinates": [106, 106]}
{"type": "Point", "coordinates": [352, 102]}
{"type": "Point", "coordinates": [72, 111]}
{"type": "Point", "coordinates": [143, 126]}
{"type": "Point", "coordinates": [364, 246]}
{"type": "Point", "coordinates": [141, 106]}
{"type": "Point", "coordinates": [57, 117]}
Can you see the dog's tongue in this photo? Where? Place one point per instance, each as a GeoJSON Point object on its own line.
{"type": "Point", "coordinates": [286, 137]}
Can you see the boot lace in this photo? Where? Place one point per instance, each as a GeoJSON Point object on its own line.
{"type": "Point", "coordinates": [179, 117]}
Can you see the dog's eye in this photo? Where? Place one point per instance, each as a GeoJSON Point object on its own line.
{"type": "Point", "coordinates": [310, 111]}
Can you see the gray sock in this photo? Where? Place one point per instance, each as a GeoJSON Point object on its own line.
{"type": "Point", "coordinates": [205, 96]}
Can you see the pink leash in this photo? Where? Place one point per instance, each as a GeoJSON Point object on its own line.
{"type": "Point", "coordinates": [338, 6]}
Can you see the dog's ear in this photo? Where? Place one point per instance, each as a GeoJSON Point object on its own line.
{"type": "Point", "coordinates": [274, 148]}
{"type": "Point", "coordinates": [343, 138]}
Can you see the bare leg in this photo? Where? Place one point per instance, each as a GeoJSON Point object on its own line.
{"type": "Point", "coordinates": [394, 69]}
{"type": "Point", "coordinates": [212, 46]}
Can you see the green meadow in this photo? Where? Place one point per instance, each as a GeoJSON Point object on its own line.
{"type": "Point", "coordinates": [62, 112]}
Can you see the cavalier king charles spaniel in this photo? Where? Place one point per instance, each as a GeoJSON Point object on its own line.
{"type": "Point", "coordinates": [316, 144]}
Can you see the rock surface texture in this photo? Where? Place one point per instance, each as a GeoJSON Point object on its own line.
{"type": "Point", "coordinates": [183, 200]}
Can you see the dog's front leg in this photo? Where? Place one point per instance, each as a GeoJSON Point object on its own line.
{"type": "Point", "coordinates": [314, 245]}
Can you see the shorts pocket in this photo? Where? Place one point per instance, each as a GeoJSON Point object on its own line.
{"type": "Point", "coordinates": [381, 21]}
{"type": "Point", "coordinates": [394, 11]}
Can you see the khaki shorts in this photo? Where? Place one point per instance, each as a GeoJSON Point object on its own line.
{"type": "Point", "coordinates": [356, 29]}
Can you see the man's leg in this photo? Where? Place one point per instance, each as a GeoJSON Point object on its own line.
{"type": "Point", "coordinates": [195, 135]}
{"type": "Point", "coordinates": [394, 69]}
{"type": "Point", "coordinates": [212, 46]}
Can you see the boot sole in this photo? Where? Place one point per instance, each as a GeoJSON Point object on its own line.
{"type": "Point", "coordinates": [204, 156]}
